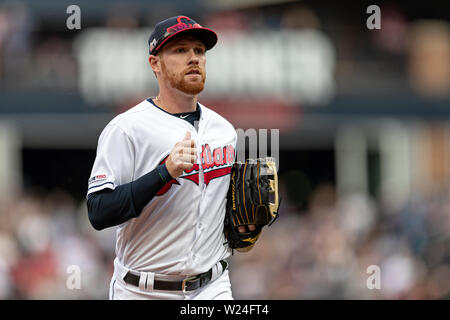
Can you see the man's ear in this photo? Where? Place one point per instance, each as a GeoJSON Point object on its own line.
{"type": "Point", "coordinates": [154, 63]}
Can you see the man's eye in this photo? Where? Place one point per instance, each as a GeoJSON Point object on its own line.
{"type": "Point", "coordinates": [180, 50]}
{"type": "Point", "coordinates": [200, 51]}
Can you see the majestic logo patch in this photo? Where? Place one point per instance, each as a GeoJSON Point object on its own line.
{"type": "Point", "coordinates": [216, 163]}
{"type": "Point", "coordinates": [97, 178]}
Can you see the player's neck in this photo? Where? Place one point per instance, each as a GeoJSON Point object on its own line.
{"type": "Point", "coordinates": [176, 102]}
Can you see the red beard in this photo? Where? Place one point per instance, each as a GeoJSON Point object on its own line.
{"type": "Point", "coordinates": [179, 82]}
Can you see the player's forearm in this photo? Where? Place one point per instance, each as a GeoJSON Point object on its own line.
{"type": "Point", "coordinates": [107, 208]}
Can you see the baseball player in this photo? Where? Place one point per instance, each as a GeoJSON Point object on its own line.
{"type": "Point", "coordinates": [161, 174]}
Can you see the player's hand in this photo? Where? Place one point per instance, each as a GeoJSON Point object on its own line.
{"type": "Point", "coordinates": [182, 157]}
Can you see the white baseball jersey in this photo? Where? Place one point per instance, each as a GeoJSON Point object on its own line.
{"type": "Point", "coordinates": [180, 231]}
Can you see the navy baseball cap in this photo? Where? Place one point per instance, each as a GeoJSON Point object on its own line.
{"type": "Point", "coordinates": [169, 28]}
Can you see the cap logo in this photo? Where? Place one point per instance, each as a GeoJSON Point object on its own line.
{"type": "Point", "coordinates": [181, 25]}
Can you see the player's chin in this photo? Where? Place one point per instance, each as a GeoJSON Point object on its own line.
{"type": "Point", "coordinates": [194, 81]}
{"type": "Point", "coordinates": [192, 88]}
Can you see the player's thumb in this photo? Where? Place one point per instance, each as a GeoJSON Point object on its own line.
{"type": "Point", "coordinates": [187, 136]}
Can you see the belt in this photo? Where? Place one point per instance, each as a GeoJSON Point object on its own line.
{"type": "Point", "coordinates": [188, 284]}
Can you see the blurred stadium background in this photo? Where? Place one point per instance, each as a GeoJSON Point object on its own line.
{"type": "Point", "coordinates": [364, 139]}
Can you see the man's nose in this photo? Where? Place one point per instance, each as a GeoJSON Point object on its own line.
{"type": "Point", "coordinates": [193, 57]}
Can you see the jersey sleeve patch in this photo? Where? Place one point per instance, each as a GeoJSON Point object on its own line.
{"type": "Point", "coordinates": [97, 178]}
{"type": "Point", "coordinates": [100, 182]}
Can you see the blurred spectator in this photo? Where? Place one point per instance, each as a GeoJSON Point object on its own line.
{"type": "Point", "coordinates": [122, 15]}
{"type": "Point", "coordinates": [16, 25]}
{"type": "Point", "coordinates": [429, 57]}
{"type": "Point", "coordinates": [229, 22]}
{"type": "Point", "coordinates": [392, 39]}
{"type": "Point", "coordinates": [42, 238]}
{"type": "Point", "coordinates": [54, 65]}
{"type": "Point", "coordinates": [299, 16]}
